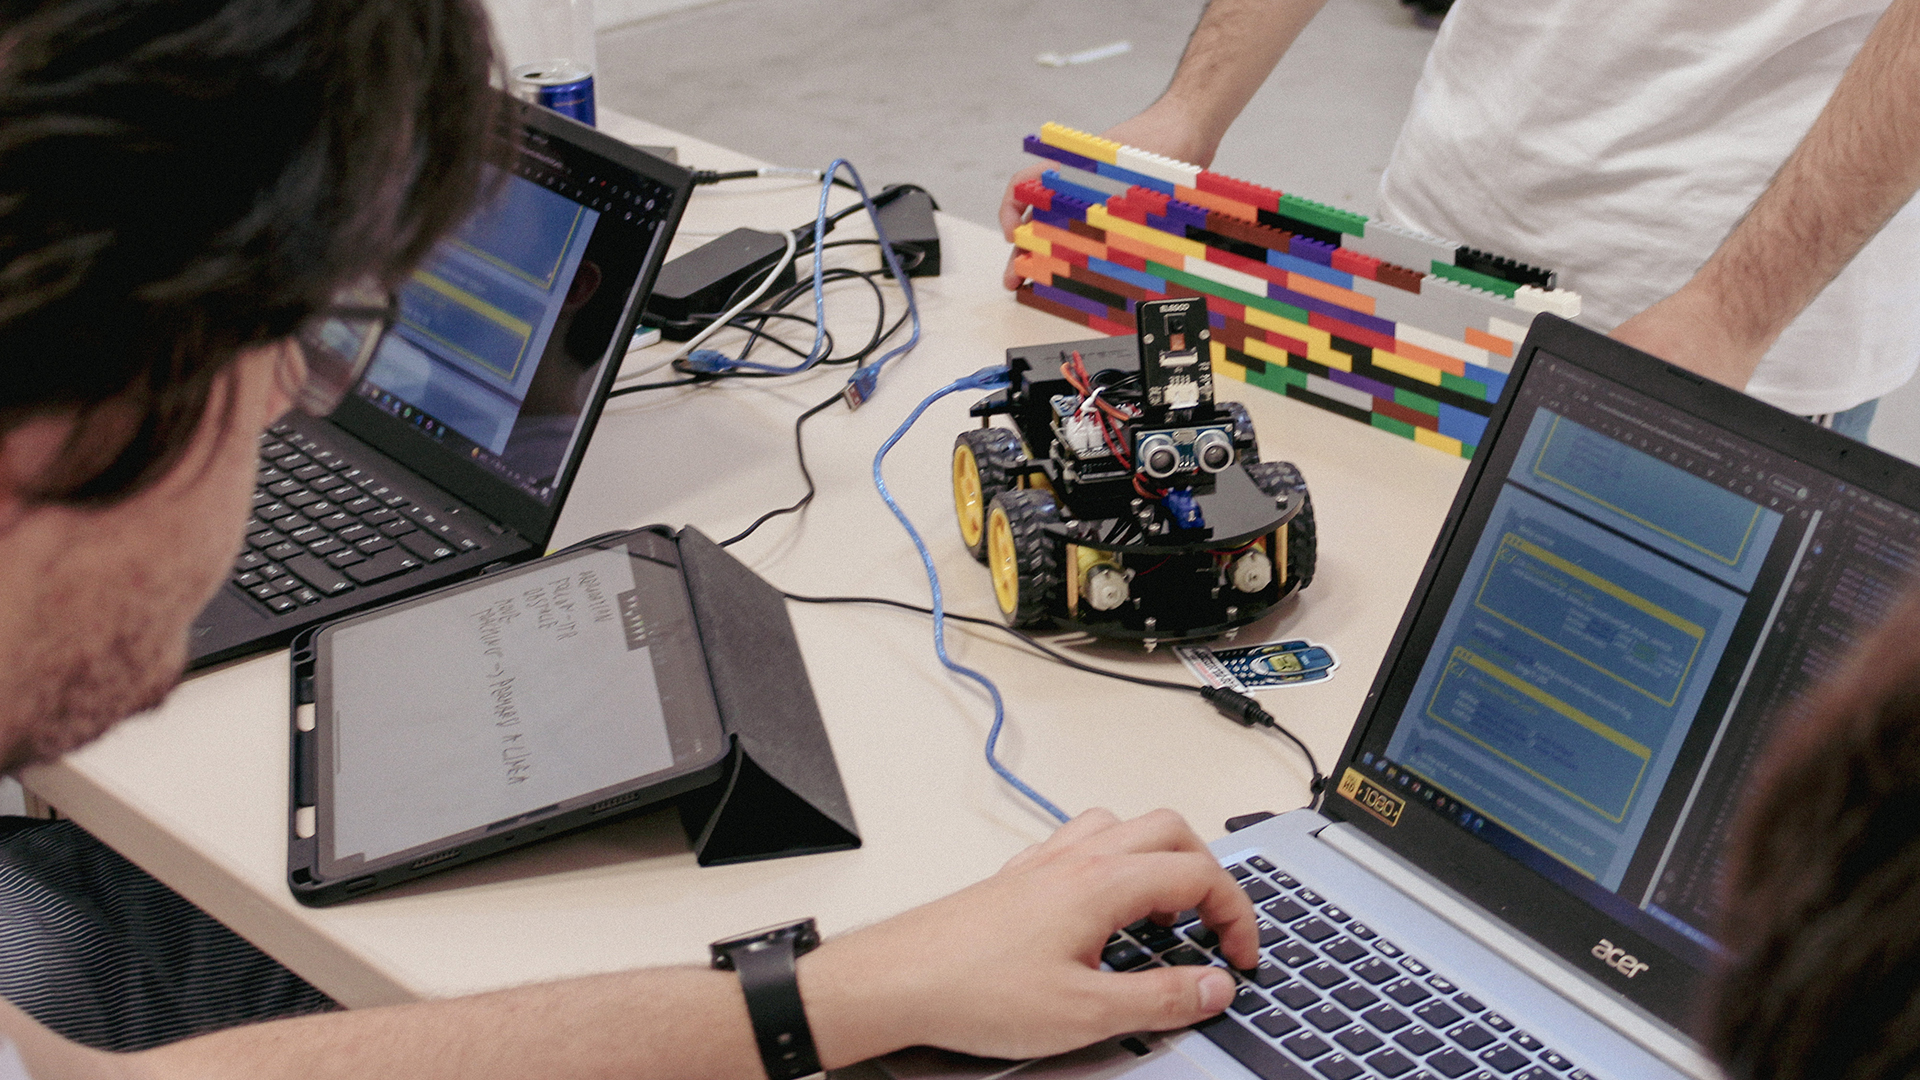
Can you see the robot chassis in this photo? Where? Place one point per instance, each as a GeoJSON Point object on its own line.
{"type": "Point", "coordinates": [1125, 502]}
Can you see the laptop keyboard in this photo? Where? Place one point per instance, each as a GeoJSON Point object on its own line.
{"type": "Point", "coordinates": [1334, 997]}
{"type": "Point", "coordinates": [322, 527]}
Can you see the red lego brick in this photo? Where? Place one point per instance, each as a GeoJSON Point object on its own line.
{"type": "Point", "coordinates": [1121, 324]}
{"type": "Point", "coordinates": [1353, 262]}
{"type": "Point", "coordinates": [1127, 259]}
{"type": "Point", "coordinates": [1342, 328]}
{"type": "Point", "coordinates": [1405, 415]}
{"type": "Point", "coordinates": [1155, 201]}
{"type": "Point", "coordinates": [1399, 277]}
{"type": "Point", "coordinates": [1263, 198]}
{"type": "Point", "coordinates": [1127, 209]}
{"type": "Point", "coordinates": [1034, 193]}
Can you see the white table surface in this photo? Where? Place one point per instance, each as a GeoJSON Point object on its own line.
{"type": "Point", "coordinates": [196, 792]}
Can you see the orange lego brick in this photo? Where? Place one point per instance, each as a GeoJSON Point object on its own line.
{"type": "Point", "coordinates": [1349, 261]}
{"type": "Point", "coordinates": [1332, 294]}
{"type": "Point", "coordinates": [1452, 365]}
{"type": "Point", "coordinates": [1217, 203]}
{"type": "Point", "coordinates": [1480, 339]}
{"type": "Point", "coordinates": [1063, 238]}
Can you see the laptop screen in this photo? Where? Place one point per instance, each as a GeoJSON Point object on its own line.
{"type": "Point", "coordinates": [1633, 599]}
{"type": "Point", "coordinates": [505, 335]}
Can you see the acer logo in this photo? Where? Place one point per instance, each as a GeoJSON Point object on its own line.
{"type": "Point", "coordinates": [1618, 958]}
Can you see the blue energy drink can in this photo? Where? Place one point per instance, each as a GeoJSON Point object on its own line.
{"type": "Point", "coordinates": [565, 86]}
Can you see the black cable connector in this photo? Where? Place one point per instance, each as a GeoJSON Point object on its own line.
{"type": "Point", "coordinates": [1247, 712]}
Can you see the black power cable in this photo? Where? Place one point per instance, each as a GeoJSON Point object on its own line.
{"type": "Point", "coordinates": [800, 451]}
{"type": "Point", "coordinates": [1238, 707]}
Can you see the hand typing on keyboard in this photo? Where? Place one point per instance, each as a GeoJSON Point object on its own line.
{"type": "Point", "coordinates": [1010, 967]}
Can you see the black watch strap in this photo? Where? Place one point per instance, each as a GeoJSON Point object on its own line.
{"type": "Point", "coordinates": [764, 960]}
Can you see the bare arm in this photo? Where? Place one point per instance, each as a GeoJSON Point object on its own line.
{"type": "Point", "coordinates": [1233, 49]}
{"type": "Point", "coordinates": [1008, 967]}
{"type": "Point", "coordinates": [1856, 167]}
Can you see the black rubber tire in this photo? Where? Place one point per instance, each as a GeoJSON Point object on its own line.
{"type": "Point", "coordinates": [999, 460]}
{"type": "Point", "coordinates": [1279, 478]}
{"type": "Point", "coordinates": [1246, 445]}
{"type": "Point", "coordinates": [1036, 556]}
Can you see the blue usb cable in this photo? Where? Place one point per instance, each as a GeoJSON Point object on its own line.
{"type": "Point", "coordinates": [991, 378]}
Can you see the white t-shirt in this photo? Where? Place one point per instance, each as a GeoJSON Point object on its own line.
{"type": "Point", "coordinates": [1618, 142]}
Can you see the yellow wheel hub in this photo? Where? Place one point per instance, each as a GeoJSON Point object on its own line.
{"type": "Point", "coordinates": [968, 505]}
{"type": "Point", "coordinates": [1002, 562]}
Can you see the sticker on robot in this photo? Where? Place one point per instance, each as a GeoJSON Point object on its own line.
{"type": "Point", "coordinates": [1261, 667]}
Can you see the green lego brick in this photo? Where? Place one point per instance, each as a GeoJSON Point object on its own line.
{"type": "Point", "coordinates": [1327, 217]}
{"type": "Point", "coordinates": [1225, 292]}
{"type": "Point", "coordinates": [1416, 402]}
{"type": "Point", "coordinates": [1388, 423]}
{"type": "Point", "coordinates": [1470, 387]}
{"type": "Point", "coordinates": [1474, 278]}
{"type": "Point", "coordinates": [1467, 449]}
{"type": "Point", "coordinates": [1276, 378]}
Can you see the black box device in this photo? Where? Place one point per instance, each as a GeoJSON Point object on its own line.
{"type": "Point", "coordinates": [600, 680]}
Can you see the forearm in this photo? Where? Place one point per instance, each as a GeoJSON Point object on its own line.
{"type": "Point", "coordinates": [1855, 168]}
{"type": "Point", "coordinates": [1232, 51]}
{"type": "Point", "coordinates": [668, 1022]}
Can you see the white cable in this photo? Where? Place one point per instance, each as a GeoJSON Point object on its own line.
{"type": "Point", "coordinates": [714, 327]}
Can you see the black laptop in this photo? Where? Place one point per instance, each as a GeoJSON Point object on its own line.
{"type": "Point", "coordinates": [456, 451]}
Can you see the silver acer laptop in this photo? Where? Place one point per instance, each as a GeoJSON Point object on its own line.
{"type": "Point", "coordinates": [456, 451]}
{"type": "Point", "coordinates": [1511, 875]}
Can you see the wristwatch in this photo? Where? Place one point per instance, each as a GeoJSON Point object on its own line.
{"type": "Point", "coordinates": [764, 959]}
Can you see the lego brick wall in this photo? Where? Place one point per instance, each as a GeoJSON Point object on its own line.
{"type": "Point", "coordinates": [1409, 333]}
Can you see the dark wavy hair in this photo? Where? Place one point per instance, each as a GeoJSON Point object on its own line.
{"type": "Point", "coordinates": [1821, 887]}
{"type": "Point", "coordinates": [181, 180]}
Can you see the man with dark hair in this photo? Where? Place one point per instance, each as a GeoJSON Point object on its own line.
{"type": "Point", "coordinates": [189, 190]}
{"type": "Point", "coordinates": [1821, 914]}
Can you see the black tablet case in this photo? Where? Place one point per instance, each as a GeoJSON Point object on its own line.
{"type": "Point", "coordinates": [779, 791]}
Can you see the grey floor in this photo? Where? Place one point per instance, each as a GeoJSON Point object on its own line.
{"type": "Point", "coordinates": [939, 93]}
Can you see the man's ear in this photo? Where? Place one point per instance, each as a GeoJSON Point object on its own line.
{"type": "Point", "coordinates": [27, 452]}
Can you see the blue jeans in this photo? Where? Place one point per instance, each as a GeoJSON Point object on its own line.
{"type": "Point", "coordinates": [1853, 423]}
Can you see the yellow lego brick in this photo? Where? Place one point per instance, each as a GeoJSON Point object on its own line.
{"type": "Point", "coordinates": [1267, 320]}
{"type": "Point", "coordinates": [1412, 369]}
{"type": "Point", "coordinates": [1260, 350]}
{"type": "Point", "coordinates": [1436, 440]}
{"type": "Point", "coordinates": [1324, 355]}
{"type": "Point", "coordinates": [1226, 368]}
{"type": "Point", "coordinates": [1025, 240]}
{"type": "Point", "coordinates": [1079, 142]}
{"type": "Point", "coordinates": [1098, 217]}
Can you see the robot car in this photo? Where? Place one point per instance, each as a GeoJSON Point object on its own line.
{"type": "Point", "coordinates": [1125, 502]}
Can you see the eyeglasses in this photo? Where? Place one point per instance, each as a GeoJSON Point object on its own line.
{"type": "Point", "coordinates": [338, 343]}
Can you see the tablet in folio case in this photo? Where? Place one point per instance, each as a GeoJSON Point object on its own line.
{"type": "Point", "coordinates": [617, 675]}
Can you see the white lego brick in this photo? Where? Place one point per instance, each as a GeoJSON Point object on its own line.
{"type": "Point", "coordinates": [1093, 180]}
{"type": "Point", "coordinates": [1158, 166]}
{"type": "Point", "coordinates": [1226, 275]}
{"type": "Point", "coordinates": [1401, 246]}
{"type": "Point", "coordinates": [1403, 308]}
{"type": "Point", "coordinates": [1561, 302]}
{"type": "Point", "coordinates": [1345, 395]}
{"type": "Point", "coordinates": [1445, 346]}
{"type": "Point", "coordinates": [1476, 307]}
{"type": "Point", "coordinates": [1512, 331]}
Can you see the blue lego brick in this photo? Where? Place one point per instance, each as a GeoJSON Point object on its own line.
{"type": "Point", "coordinates": [1311, 250]}
{"type": "Point", "coordinates": [1060, 185]}
{"type": "Point", "coordinates": [1131, 177]}
{"type": "Point", "coordinates": [1127, 274]}
{"type": "Point", "coordinates": [1066, 157]}
{"type": "Point", "coordinates": [1460, 424]}
{"type": "Point", "coordinates": [1314, 270]}
{"type": "Point", "coordinates": [1496, 381]}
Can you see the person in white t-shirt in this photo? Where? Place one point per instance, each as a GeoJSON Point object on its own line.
{"type": "Point", "coordinates": [1622, 143]}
